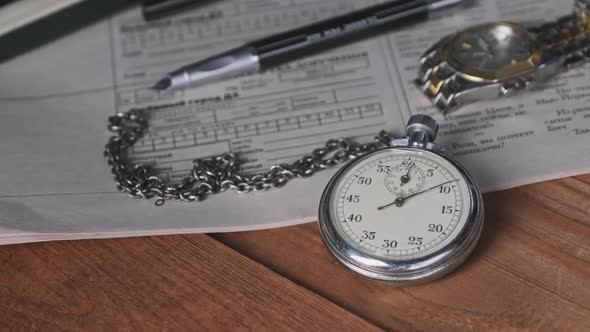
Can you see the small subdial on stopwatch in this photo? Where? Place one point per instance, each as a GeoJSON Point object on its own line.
{"type": "Point", "coordinates": [404, 180]}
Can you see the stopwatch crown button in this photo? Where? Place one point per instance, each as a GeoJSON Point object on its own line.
{"type": "Point", "coordinates": [422, 130]}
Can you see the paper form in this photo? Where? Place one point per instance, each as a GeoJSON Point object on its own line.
{"type": "Point", "coordinates": [55, 103]}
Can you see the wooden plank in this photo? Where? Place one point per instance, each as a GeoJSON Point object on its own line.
{"type": "Point", "coordinates": [173, 283]}
{"type": "Point", "coordinates": [531, 269]}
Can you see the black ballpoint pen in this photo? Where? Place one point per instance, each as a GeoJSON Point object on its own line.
{"type": "Point", "coordinates": [156, 9]}
{"type": "Point", "coordinates": [287, 46]}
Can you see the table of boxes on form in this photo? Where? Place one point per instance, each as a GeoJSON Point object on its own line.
{"type": "Point", "coordinates": [268, 118]}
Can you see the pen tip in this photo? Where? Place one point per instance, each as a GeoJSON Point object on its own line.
{"type": "Point", "coordinates": [162, 84]}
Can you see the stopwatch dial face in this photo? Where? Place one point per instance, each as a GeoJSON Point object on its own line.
{"type": "Point", "coordinates": [400, 204]}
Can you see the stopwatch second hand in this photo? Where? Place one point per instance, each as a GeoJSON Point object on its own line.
{"type": "Point", "coordinates": [399, 202]}
{"type": "Point", "coordinates": [406, 178]}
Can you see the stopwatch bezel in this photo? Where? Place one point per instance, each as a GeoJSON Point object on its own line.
{"type": "Point", "coordinates": [403, 272]}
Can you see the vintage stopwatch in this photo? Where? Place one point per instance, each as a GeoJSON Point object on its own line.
{"type": "Point", "coordinates": [404, 214]}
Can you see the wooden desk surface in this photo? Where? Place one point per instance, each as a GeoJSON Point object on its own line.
{"type": "Point", "coordinates": [530, 271]}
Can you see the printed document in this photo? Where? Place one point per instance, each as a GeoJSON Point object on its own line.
{"type": "Point", "coordinates": [55, 101]}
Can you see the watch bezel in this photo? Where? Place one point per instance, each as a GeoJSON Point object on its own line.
{"type": "Point", "coordinates": [507, 72]}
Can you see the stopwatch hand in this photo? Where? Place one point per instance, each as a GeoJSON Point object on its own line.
{"type": "Point", "coordinates": [399, 202]}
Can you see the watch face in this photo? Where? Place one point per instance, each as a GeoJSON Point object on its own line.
{"type": "Point", "coordinates": [400, 204]}
{"type": "Point", "coordinates": [497, 49]}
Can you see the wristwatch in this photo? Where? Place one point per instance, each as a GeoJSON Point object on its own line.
{"type": "Point", "coordinates": [499, 59]}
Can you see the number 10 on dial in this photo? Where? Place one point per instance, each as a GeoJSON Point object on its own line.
{"type": "Point", "coordinates": [406, 213]}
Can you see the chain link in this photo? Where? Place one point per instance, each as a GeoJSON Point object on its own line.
{"type": "Point", "coordinates": [216, 174]}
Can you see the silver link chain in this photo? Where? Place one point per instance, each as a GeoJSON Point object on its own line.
{"type": "Point", "coordinates": [213, 175]}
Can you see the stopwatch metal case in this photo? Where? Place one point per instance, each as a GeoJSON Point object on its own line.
{"type": "Point", "coordinates": [405, 272]}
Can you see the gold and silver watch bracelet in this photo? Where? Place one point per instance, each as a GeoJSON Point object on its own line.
{"type": "Point", "coordinates": [565, 42]}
